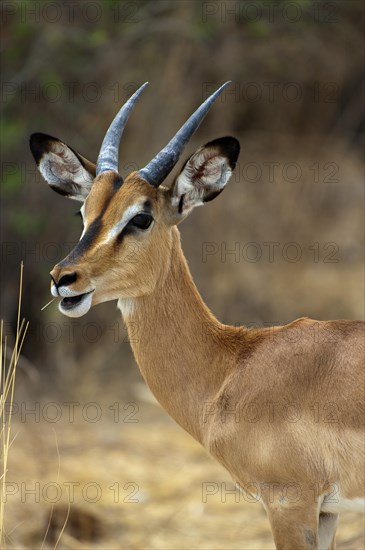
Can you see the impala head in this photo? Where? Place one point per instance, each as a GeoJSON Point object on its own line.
{"type": "Point", "coordinates": [126, 241]}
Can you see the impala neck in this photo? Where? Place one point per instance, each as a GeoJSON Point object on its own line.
{"type": "Point", "coordinates": [177, 343]}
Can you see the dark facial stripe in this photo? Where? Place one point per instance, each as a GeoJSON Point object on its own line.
{"type": "Point", "coordinates": [94, 228]}
{"type": "Point", "coordinates": [85, 243]}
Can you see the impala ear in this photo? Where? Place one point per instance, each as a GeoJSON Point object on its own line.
{"type": "Point", "coordinates": [204, 175]}
{"type": "Point", "coordinates": [65, 170]}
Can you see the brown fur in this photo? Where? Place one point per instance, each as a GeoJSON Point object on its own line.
{"type": "Point", "coordinates": [278, 407]}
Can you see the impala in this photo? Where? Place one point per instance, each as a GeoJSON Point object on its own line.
{"type": "Point", "coordinates": [207, 375]}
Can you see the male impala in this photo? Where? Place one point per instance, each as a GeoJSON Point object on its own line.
{"type": "Point", "coordinates": [209, 377]}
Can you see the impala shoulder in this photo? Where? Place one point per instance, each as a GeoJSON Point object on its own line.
{"type": "Point", "coordinates": [337, 328]}
{"type": "Point", "coordinates": [341, 324]}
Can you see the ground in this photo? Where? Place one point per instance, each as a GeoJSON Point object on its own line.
{"type": "Point", "coordinates": [136, 481]}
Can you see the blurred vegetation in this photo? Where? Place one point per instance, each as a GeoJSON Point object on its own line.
{"type": "Point", "coordinates": [297, 72]}
{"type": "Point", "coordinates": [297, 75]}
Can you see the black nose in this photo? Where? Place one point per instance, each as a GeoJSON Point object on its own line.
{"type": "Point", "coordinates": [67, 279]}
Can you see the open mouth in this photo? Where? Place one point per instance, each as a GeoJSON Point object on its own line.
{"type": "Point", "coordinates": [72, 301]}
{"type": "Point", "coordinates": [78, 305]}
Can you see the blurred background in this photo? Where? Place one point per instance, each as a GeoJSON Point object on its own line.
{"type": "Point", "coordinates": [284, 240]}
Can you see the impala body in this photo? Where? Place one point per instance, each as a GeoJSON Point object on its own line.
{"type": "Point", "coordinates": [281, 408]}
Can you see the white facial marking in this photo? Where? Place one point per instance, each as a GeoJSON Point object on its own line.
{"type": "Point", "coordinates": [82, 210]}
{"type": "Point", "coordinates": [54, 290]}
{"type": "Point", "coordinates": [128, 214]}
{"type": "Point", "coordinates": [67, 292]}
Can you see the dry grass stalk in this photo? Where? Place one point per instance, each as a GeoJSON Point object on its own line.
{"type": "Point", "coordinates": [7, 385]}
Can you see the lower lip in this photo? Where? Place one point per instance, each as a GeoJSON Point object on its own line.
{"type": "Point", "coordinates": [76, 306]}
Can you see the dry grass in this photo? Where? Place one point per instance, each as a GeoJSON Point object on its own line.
{"type": "Point", "coordinates": [150, 477]}
{"type": "Point", "coordinates": [7, 386]}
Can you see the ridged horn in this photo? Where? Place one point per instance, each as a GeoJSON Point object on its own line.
{"type": "Point", "coordinates": [109, 151]}
{"type": "Point", "coordinates": [159, 167]}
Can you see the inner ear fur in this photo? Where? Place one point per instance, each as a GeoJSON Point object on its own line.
{"type": "Point", "coordinates": [66, 171]}
{"type": "Point", "coordinates": [204, 175]}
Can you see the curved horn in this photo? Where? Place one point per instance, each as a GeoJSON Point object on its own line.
{"type": "Point", "coordinates": [160, 166]}
{"type": "Point", "coordinates": [108, 156]}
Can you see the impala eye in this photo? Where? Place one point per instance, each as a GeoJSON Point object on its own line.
{"type": "Point", "coordinates": [142, 221]}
